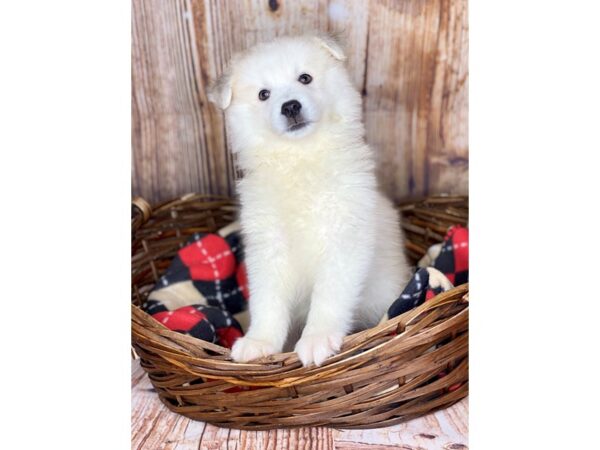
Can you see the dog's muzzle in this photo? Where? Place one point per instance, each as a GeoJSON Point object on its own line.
{"type": "Point", "coordinates": [295, 120]}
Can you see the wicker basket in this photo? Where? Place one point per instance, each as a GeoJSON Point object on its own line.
{"type": "Point", "coordinates": [408, 366]}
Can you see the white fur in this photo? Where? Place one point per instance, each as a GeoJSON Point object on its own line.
{"type": "Point", "coordinates": [323, 246]}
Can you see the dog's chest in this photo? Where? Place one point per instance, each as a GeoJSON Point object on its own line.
{"type": "Point", "coordinates": [299, 200]}
{"type": "Point", "coordinates": [302, 200]}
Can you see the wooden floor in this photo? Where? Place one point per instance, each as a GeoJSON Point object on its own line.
{"type": "Point", "coordinates": [154, 427]}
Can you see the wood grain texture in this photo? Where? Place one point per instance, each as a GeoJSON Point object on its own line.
{"type": "Point", "coordinates": [154, 427]}
{"type": "Point", "coordinates": [415, 105]}
{"type": "Point", "coordinates": [407, 57]}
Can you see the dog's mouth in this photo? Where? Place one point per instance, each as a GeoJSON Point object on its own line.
{"type": "Point", "coordinates": [296, 125]}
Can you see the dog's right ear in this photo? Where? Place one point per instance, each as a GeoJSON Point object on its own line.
{"type": "Point", "coordinates": [219, 92]}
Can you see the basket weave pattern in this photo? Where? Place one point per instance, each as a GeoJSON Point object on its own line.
{"type": "Point", "coordinates": [381, 376]}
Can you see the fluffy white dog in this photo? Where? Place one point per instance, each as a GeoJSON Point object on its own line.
{"type": "Point", "coordinates": [324, 250]}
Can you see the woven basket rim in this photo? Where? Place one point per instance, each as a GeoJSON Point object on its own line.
{"type": "Point", "coordinates": [267, 364]}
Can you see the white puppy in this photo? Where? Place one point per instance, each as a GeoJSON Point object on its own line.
{"type": "Point", "coordinates": [324, 249]}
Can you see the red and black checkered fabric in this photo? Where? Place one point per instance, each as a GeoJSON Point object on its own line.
{"type": "Point", "coordinates": [215, 266]}
{"type": "Point", "coordinates": [452, 261]}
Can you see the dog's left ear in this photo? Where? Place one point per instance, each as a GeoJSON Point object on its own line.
{"type": "Point", "coordinates": [219, 92]}
{"type": "Point", "coordinates": [332, 45]}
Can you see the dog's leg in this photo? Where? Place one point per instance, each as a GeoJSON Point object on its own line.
{"type": "Point", "coordinates": [336, 293]}
{"type": "Point", "coordinates": [271, 293]}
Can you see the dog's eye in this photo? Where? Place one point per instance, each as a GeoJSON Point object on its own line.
{"type": "Point", "coordinates": [305, 78]}
{"type": "Point", "coordinates": [263, 95]}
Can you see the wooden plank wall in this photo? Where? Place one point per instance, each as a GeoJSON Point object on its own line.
{"type": "Point", "coordinates": [408, 58]}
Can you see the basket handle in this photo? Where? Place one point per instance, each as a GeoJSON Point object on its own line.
{"type": "Point", "coordinates": [140, 212]}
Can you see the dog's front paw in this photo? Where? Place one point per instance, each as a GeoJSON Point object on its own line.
{"type": "Point", "coordinates": [317, 348]}
{"type": "Point", "coordinates": [248, 349]}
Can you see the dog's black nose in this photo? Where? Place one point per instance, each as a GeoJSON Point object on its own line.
{"type": "Point", "coordinates": [291, 108]}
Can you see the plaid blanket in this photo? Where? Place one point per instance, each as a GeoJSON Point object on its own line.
{"type": "Point", "coordinates": [204, 292]}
